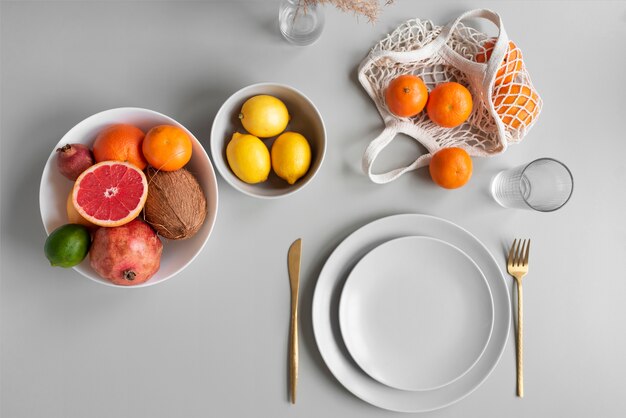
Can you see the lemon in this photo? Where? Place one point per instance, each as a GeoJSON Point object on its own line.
{"type": "Point", "coordinates": [264, 116]}
{"type": "Point", "coordinates": [291, 156]}
{"type": "Point", "coordinates": [248, 157]}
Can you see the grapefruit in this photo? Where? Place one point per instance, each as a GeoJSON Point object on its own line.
{"type": "Point", "coordinates": [110, 193]}
{"type": "Point", "coordinates": [73, 216]}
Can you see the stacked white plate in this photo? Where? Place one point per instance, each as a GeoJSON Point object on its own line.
{"type": "Point", "coordinates": [411, 313]}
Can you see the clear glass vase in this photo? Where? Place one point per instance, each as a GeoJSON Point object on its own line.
{"type": "Point", "coordinates": [300, 24]}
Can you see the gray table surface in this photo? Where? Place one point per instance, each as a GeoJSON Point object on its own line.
{"type": "Point", "coordinates": [213, 340]}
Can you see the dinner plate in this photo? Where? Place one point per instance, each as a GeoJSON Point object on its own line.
{"type": "Point", "coordinates": [326, 324]}
{"type": "Point", "coordinates": [416, 313]}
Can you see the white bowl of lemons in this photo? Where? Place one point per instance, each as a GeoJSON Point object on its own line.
{"type": "Point", "coordinates": [268, 140]}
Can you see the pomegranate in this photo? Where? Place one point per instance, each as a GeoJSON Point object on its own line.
{"type": "Point", "coordinates": [73, 159]}
{"type": "Point", "coordinates": [126, 255]}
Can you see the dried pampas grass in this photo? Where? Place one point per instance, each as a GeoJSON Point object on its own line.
{"type": "Point", "coordinates": [367, 8]}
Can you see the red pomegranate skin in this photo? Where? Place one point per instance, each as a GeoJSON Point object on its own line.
{"type": "Point", "coordinates": [73, 159]}
{"type": "Point", "coordinates": [127, 255]}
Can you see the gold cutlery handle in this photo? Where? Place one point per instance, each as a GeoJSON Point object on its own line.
{"type": "Point", "coordinates": [293, 349]}
{"type": "Point", "coordinates": [520, 340]}
{"type": "Point", "coordinates": [293, 265]}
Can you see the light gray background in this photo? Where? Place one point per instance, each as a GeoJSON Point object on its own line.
{"type": "Point", "coordinates": [213, 341]}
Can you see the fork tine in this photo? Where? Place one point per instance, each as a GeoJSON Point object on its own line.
{"type": "Point", "coordinates": [526, 253]}
{"type": "Point", "coordinates": [517, 253]}
{"type": "Point", "coordinates": [512, 252]}
{"type": "Point", "coordinates": [522, 251]}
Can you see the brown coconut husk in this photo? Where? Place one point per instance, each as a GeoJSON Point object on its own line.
{"type": "Point", "coordinates": [176, 206]}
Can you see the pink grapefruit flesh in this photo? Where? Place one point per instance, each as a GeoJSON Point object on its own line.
{"type": "Point", "coordinates": [110, 193]}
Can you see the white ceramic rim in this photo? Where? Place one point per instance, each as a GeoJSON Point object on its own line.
{"type": "Point", "coordinates": [331, 347]}
{"type": "Point", "coordinates": [223, 169]}
{"type": "Point", "coordinates": [351, 347]}
{"type": "Point", "coordinates": [174, 122]}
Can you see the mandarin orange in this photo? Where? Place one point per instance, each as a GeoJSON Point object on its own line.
{"type": "Point", "coordinates": [516, 104]}
{"type": "Point", "coordinates": [167, 147]}
{"type": "Point", "coordinates": [451, 168]}
{"type": "Point", "coordinates": [120, 142]}
{"type": "Point", "coordinates": [406, 95]}
{"type": "Point", "coordinates": [511, 64]}
{"type": "Point", "coordinates": [449, 104]}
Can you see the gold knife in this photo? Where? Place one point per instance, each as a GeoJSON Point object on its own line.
{"type": "Point", "coordinates": [293, 264]}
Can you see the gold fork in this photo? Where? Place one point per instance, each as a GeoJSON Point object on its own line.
{"type": "Point", "coordinates": [517, 266]}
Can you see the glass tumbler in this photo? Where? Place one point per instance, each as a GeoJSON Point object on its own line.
{"type": "Point", "coordinates": [544, 185]}
{"type": "Point", "coordinates": [300, 24]}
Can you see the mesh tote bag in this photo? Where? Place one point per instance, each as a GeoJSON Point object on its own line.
{"type": "Point", "coordinates": [505, 103]}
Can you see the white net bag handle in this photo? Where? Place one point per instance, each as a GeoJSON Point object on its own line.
{"type": "Point", "coordinates": [439, 46]}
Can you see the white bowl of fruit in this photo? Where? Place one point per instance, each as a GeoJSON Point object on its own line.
{"type": "Point", "coordinates": [268, 140]}
{"type": "Point", "coordinates": [128, 198]}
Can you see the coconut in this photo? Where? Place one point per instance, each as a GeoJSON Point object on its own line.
{"type": "Point", "coordinates": [176, 206]}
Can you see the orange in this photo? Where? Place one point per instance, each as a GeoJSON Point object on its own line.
{"type": "Point", "coordinates": [449, 104]}
{"type": "Point", "coordinates": [516, 104]}
{"type": "Point", "coordinates": [451, 168]}
{"type": "Point", "coordinates": [406, 95]}
{"type": "Point", "coordinates": [110, 193]}
{"type": "Point", "coordinates": [120, 142]}
{"type": "Point", "coordinates": [511, 64]}
{"type": "Point", "coordinates": [167, 147]}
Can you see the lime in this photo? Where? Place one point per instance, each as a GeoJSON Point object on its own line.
{"type": "Point", "coordinates": [249, 158]}
{"type": "Point", "coordinates": [67, 245]}
{"type": "Point", "coordinates": [264, 116]}
{"type": "Point", "coordinates": [291, 156]}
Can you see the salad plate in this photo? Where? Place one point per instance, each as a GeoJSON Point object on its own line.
{"type": "Point", "coordinates": [416, 313]}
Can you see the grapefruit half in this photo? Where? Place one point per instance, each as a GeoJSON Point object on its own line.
{"type": "Point", "coordinates": [110, 193]}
